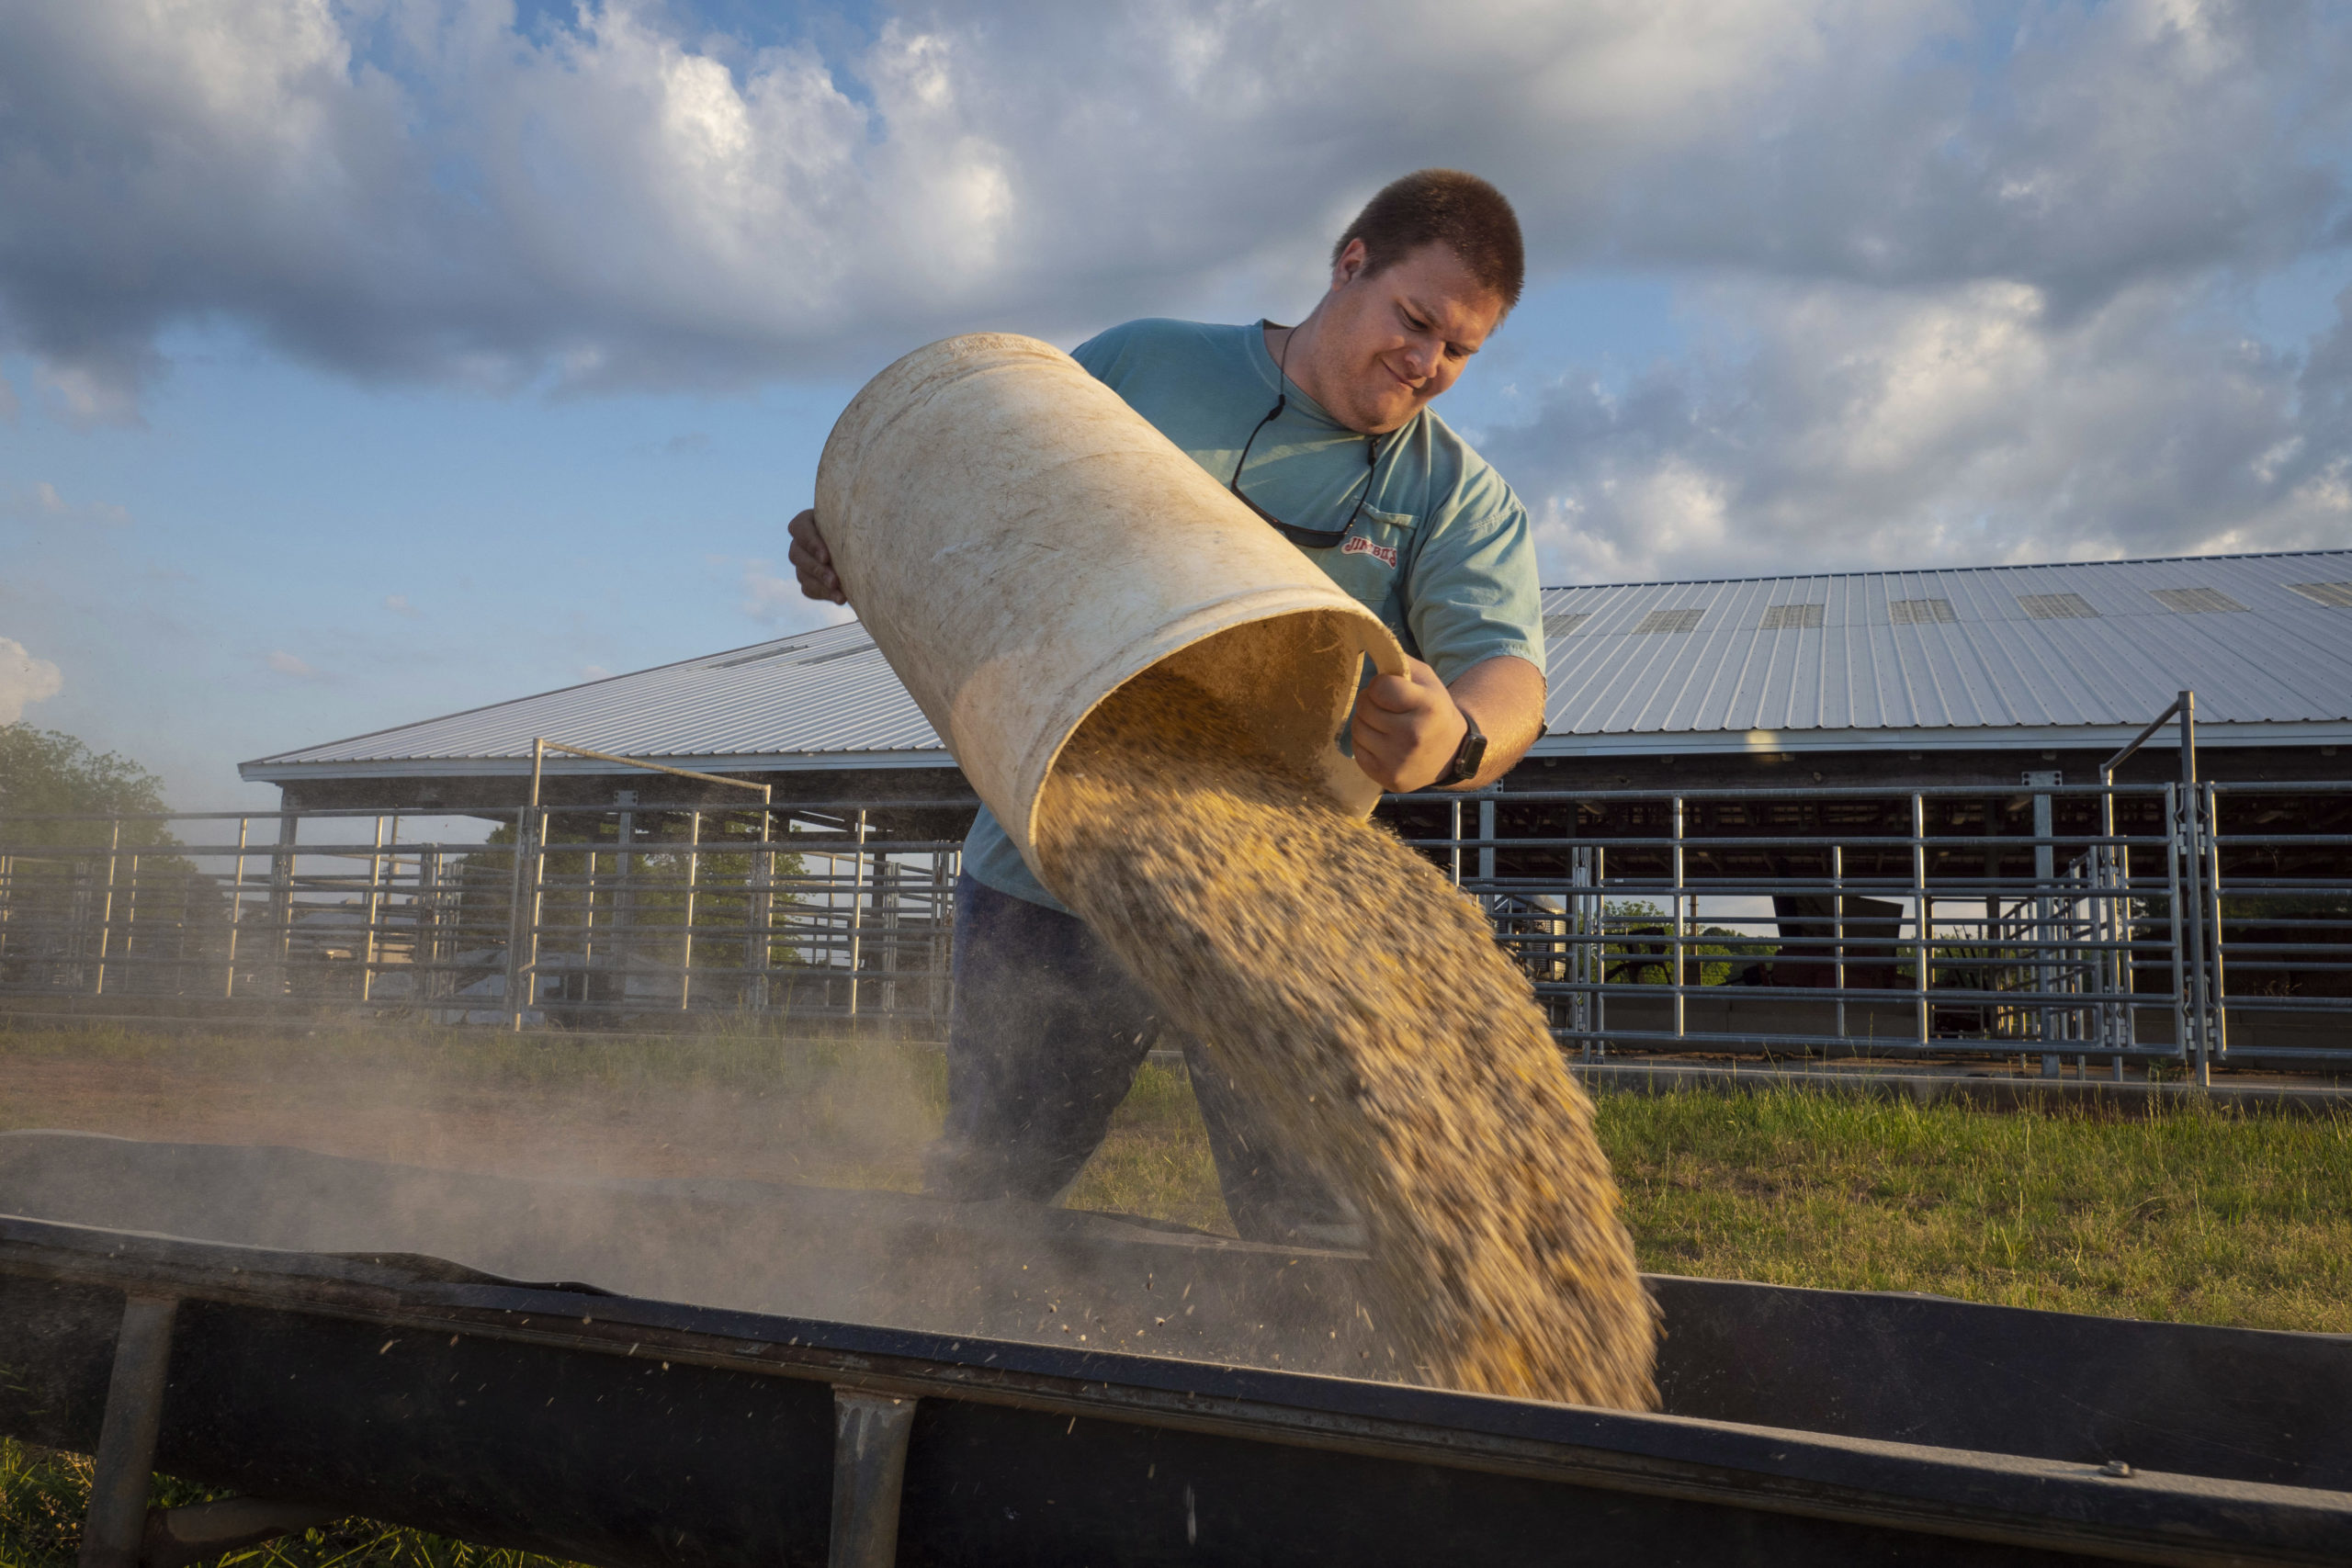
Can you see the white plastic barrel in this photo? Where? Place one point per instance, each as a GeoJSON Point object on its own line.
{"type": "Point", "coordinates": [1020, 542]}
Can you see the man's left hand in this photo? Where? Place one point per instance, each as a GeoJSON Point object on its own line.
{"type": "Point", "coordinates": [1407, 728]}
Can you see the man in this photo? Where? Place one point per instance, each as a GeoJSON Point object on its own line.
{"type": "Point", "coordinates": [1323, 431]}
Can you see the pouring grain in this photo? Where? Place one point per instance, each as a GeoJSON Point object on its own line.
{"type": "Point", "coordinates": [1360, 999]}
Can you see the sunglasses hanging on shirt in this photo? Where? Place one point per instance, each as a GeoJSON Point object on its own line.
{"type": "Point", "coordinates": [1305, 538]}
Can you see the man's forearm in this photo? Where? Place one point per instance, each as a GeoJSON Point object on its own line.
{"type": "Point", "coordinates": [1505, 694]}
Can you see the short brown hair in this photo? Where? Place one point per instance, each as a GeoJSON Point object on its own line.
{"type": "Point", "coordinates": [1444, 207]}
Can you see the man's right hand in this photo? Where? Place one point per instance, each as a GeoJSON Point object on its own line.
{"type": "Point", "coordinates": [813, 561]}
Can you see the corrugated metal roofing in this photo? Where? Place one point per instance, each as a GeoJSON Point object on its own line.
{"type": "Point", "coordinates": [816, 693]}
{"type": "Point", "coordinates": [2084, 644]}
{"type": "Point", "coordinates": [2263, 639]}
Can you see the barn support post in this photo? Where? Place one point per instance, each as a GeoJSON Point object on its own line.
{"type": "Point", "coordinates": [761, 936]}
{"type": "Point", "coordinates": [1837, 929]}
{"type": "Point", "coordinates": [522, 927]}
{"type": "Point", "coordinates": [2220, 1026]}
{"type": "Point", "coordinates": [694, 884]}
{"type": "Point", "coordinates": [186, 924]}
{"type": "Point", "coordinates": [941, 940]}
{"type": "Point", "coordinates": [588, 868]}
{"type": "Point", "coordinates": [281, 905]}
{"type": "Point", "coordinates": [2190, 829]}
{"type": "Point", "coordinates": [427, 942]}
{"type": "Point", "coordinates": [886, 908]}
{"type": "Point", "coordinates": [1923, 916]}
{"type": "Point", "coordinates": [857, 908]}
{"type": "Point", "coordinates": [369, 951]}
{"type": "Point", "coordinates": [236, 910]}
{"type": "Point", "coordinates": [131, 910]}
{"type": "Point", "coordinates": [2045, 865]}
{"type": "Point", "coordinates": [1592, 952]}
{"type": "Point", "coordinates": [106, 907]}
{"type": "Point", "coordinates": [1680, 928]}
{"type": "Point", "coordinates": [624, 919]}
{"type": "Point", "coordinates": [2176, 882]}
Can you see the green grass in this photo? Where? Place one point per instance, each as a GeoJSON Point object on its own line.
{"type": "Point", "coordinates": [2188, 1214]}
{"type": "Point", "coordinates": [43, 1494]}
{"type": "Point", "coordinates": [1156, 1162]}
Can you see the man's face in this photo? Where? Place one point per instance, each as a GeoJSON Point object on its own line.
{"type": "Point", "coordinates": [1392, 341]}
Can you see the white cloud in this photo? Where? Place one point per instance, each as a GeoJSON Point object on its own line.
{"type": "Point", "coordinates": [1854, 426]}
{"type": "Point", "coordinates": [25, 679]}
{"type": "Point", "coordinates": [626, 198]}
{"type": "Point", "coordinates": [285, 663]}
{"type": "Point", "coordinates": [1966, 275]}
{"type": "Point", "coordinates": [399, 605]}
{"type": "Point", "coordinates": [778, 602]}
{"type": "Point", "coordinates": [42, 504]}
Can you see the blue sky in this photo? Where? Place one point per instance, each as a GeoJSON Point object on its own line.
{"type": "Point", "coordinates": [367, 361]}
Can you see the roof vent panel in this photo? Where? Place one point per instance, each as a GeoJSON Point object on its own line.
{"type": "Point", "coordinates": [1791, 617]}
{"type": "Point", "coordinates": [2057, 606]}
{"type": "Point", "coordinates": [2334, 595]}
{"type": "Point", "coordinates": [756, 658]}
{"type": "Point", "coordinates": [2195, 601]}
{"type": "Point", "coordinates": [1665, 622]}
{"type": "Point", "coordinates": [1920, 611]}
{"type": "Point", "coordinates": [1563, 626]}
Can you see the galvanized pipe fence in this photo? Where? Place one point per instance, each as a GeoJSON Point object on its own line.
{"type": "Point", "coordinates": [2082, 923]}
{"type": "Point", "coordinates": [568, 917]}
{"type": "Point", "coordinates": [2198, 924]}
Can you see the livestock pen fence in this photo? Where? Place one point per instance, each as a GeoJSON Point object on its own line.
{"type": "Point", "coordinates": [563, 916]}
{"type": "Point", "coordinates": [2200, 924]}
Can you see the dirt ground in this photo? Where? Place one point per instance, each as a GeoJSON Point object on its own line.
{"type": "Point", "coordinates": [513, 1110]}
{"type": "Point", "coordinates": [849, 1115]}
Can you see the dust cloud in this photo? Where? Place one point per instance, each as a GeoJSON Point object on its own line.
{"type": "Point", "coordinates": [1335, 977]}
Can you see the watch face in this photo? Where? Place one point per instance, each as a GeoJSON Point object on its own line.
{"type": "Point", "coordinates": [1468, 758]}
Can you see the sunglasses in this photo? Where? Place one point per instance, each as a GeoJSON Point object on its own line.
{"type": "Point", "coordinates": [1305, 538]}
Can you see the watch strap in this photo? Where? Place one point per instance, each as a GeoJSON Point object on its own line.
{"type": "Point", "coordinates": [1471, 754]}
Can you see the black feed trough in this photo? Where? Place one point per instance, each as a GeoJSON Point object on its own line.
{"type": "Point", "coordinates": [873, 1378]}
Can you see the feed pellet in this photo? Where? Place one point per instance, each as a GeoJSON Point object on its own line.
{"type": "Point", "coordinates": [1358, 998]}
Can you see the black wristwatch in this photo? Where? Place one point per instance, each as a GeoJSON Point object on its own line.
{"type": "Point", "coordinates": [1468, 757]}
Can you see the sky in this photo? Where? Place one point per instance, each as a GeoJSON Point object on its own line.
{"type": "Point", "coordinates": [361, 362]}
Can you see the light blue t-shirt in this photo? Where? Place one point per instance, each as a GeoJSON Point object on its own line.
{"type": "Point", "coordinates": [1441, 552]}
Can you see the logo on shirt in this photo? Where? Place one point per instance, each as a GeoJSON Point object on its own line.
{"type": "Point", "coordinates": [1360, 546]}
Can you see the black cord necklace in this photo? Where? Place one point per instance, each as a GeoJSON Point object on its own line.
{"type": "Point", "coordinates": [1306, 539]}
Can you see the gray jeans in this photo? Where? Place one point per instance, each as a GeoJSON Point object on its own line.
{"type": "Point", "coordinates": [1048, 1031]}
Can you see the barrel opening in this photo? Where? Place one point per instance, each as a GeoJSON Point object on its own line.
{"type": "Point", "coordinates": [1291, 682]}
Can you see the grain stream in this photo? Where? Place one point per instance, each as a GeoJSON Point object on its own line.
{"type": "Point", "coordinates": [1358, 997]}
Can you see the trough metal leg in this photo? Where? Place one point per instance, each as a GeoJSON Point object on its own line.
{"type": "Point", "coordinates": [126, 1458]}
{"type": "Point", "coordinates": [176, 1538]}
{"type": "Point", "coordinates": [870, 1433]}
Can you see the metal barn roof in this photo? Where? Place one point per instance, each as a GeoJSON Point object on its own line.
{"type": "Point", "coordinates": [816, 699]}
{"type": "Point", "coordinates": [1995, 656]}
{"type": "Point", "coordinates": [2010, 655]}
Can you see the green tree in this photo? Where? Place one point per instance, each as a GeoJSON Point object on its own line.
{"type": "Point", "coordinates": [62, 808]}
{"type": "Point", "coordinates": [1644, 960]}
{"type": "Point", "coordinates": [46, 773]}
